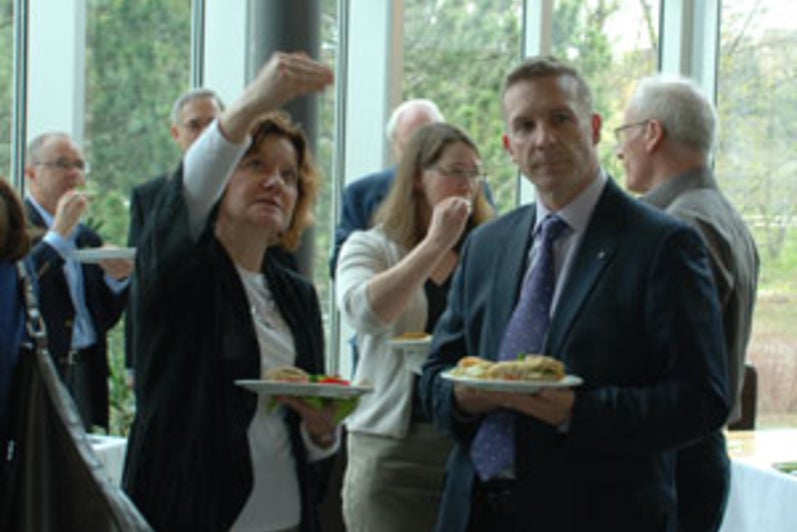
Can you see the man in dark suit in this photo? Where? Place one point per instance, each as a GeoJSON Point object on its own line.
{"type": "Point", "coordinates": [633, 313]}
{"type": "Point", "coordinates": [79, 302]}
{"type": "Point", "coordinates": [665, 145]}
{"type": "Point", "coordinates": [192, 112]}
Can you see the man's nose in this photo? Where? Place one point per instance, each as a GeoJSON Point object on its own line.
{"type": "Point", "coordinates": [543, 135]}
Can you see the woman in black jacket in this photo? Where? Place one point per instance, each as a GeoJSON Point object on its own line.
{"type": "Point", "coordinates": [215, 306]}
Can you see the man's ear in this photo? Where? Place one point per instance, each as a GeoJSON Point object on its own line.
{"type": "Point", "coordinates": [508, 146]}
{"type": "Point", "coordinates": [29, 172]}
{"type": "Point", "coordinates": [175, 132]}
{"type": "Point", "coordinates": [595, 123]}
{"type": "Point", "coordinates": [654, 135]}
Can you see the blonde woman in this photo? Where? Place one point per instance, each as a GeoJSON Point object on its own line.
{"type": "Point", "coordinates": [393, 279]}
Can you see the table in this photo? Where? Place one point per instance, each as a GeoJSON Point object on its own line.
{"type": "Point", "coordinates": [761, 499]}
{"type": "Point", "coordinates": [111, 452]}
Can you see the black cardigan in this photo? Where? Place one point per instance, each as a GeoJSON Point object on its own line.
{"type": "Point", "coordinates": [188, 465]}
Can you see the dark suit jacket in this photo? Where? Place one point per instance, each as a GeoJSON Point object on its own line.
{"type": "Point", "coordinates": [104, 306]}
{"type": "Point", "coordinates": [638, 320]}
{"type": "Point", "coordinates": [703, 468]}
{"type": "Point", "coordinates": [142, 206]}
{"type": "Point", "coordinates": [696, 199]}
{"type": "Point", "coordinates": [188, 465]}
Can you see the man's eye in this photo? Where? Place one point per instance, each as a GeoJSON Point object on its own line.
{"type": "Point", "coordinates": [524, 127]}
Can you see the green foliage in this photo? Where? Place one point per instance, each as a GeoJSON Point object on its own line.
{"type": "Point", "coordinates": [456, 53]}
{"type": "Point", "coordinates": [137, 58]}
{"type": "Point", "coordinates": [138, 62]}
{"type": "Point", "coordinates": [6, 85]}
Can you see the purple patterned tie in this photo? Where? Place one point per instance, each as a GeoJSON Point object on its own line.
{"type": "Point", "coordinates": [493, 448]}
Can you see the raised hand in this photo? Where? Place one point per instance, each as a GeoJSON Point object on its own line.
{"type": "Point", "coordinates": [70, 207]}
{"type": "Point", "coordinates": [449, 218]}
{"type": "Point", "coordinates": [284, 77]}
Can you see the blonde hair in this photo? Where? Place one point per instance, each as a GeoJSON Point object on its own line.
{"type": "Point", "coordinates": [400, 212]}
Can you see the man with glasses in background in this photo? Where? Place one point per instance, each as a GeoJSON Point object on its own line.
{"type": "Point", "coordinates": [192, 112]}
{"type": "Point", "coordinates": [79, 302]}
{"type": "Point", "coordinates": [665, 146]}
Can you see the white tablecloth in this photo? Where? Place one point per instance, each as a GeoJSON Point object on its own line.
{"type": "Point", "coordinates": [761, 499]}
{"type": "Point", "coordinates": [111, 452]}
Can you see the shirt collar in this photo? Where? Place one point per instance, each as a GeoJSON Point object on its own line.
{"type": "Point", "coordinates": [46, 216]}
{"type": "Point", "coordinates": [578, 212]}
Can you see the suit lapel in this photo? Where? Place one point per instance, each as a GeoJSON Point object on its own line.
{"type": "Point", "coordinates": [596, 252]}
{"type": "Point", "coordinates": [508, 275]}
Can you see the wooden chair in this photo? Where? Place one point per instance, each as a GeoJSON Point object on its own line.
{"type": "Point", "coordinates": [749, 400]}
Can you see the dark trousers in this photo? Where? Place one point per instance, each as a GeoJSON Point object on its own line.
{"type": "Point", "coordinates": [703, 479]}
{"type": "Point", "coordinates": [75, 371]}
{"type": "Point", "coordinates": [493, 507]}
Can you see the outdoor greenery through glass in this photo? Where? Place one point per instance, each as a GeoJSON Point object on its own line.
{"type": "Point", "coordinates": [457, 53]}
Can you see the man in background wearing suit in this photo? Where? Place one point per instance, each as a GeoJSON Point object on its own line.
{"type": "Point", "coordinates": [633, 312]}
{"type": "Point", "coordinates": [665, 145]}
{"type": "Point", "coordinates": [79, 302]}
{"type": "Point", "coordinates": [192, 112]}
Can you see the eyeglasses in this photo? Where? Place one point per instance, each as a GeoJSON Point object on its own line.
{"type": "Point", "coordinates": [618, 131]}
{"type": "Point", "coordinates": [474, 175]}
{"type": "Point", "coordinates": [65, 165]}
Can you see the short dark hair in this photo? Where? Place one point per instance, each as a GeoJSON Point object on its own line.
{"type": "Point", "coordinates": [548, 66]}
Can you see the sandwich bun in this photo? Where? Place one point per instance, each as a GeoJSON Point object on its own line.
{"type": "Point", "coordinates": [529, 368]}
{"type": "Point", "coordinates": [286, 374]}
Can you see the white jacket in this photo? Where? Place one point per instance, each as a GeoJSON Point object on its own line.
{"type": "Point", "coordinates": [387, 410]}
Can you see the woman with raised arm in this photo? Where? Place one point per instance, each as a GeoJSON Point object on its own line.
{"type": "Point", "coordinates": [215, 307]}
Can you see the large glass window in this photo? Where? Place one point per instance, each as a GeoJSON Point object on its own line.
{"type": "Point", "coordinates": [138, 57]}
{"type": "Point", "coordinates": [757, 168]}
{"type": "Point", "coordinates": [457, 54]}
{"type": "Point", "coordinates": [613, 43]}
{"type": "Point", "coordinates": [6, 84]}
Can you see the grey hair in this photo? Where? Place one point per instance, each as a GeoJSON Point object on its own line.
{"type": "Point", "coordinates": [686, 114]}
{"type": "Point", "coordinates": [395, 117]}
{"type": "Point", "coordinates": [190, 96]}
{"type": "Point", "coordinates": [35, 145]}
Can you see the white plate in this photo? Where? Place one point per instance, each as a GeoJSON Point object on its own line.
{"type": "Point", "coordinates": [411, 344]}
{"type": "Point", "coordinates": [305, 389]}
{"type": "Point", "coordinates": [494, 385]}
{"type": "Point", "coordinates": [98, 254]}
